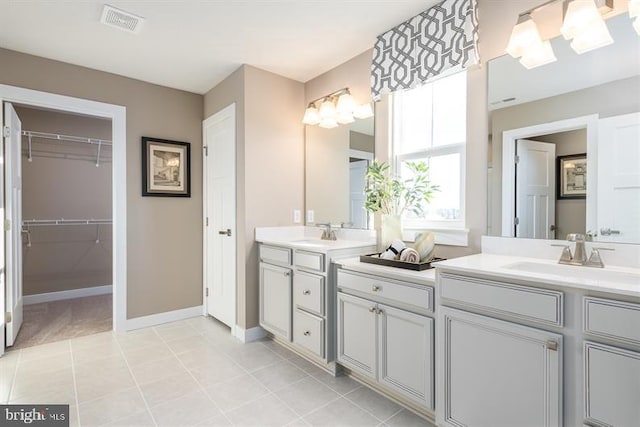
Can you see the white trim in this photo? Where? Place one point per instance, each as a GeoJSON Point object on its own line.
{"type": "Point", "coordinates": [248, 335]}
{"type": "Point", "coordinates": [118, 116]}
{"type": "Point", "coordinates": [166, 317]}
{"type": "Point", "coordinates": [359, 154]}
{"type": "Point", "coordinates": [444, 236]}
{"type": "Point", "coordinates": [70, 294]}
{"type": "Point", "coordinates": [509, 137]}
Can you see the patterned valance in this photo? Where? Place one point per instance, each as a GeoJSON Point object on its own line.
{"type": "Point", "coordinates": [427, 45]}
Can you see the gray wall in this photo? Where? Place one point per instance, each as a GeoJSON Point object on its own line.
{"type": "Point", "coordinates": [159, 279]}
{"type": "Point", "coordinates": [62, 181]}
{"type": "Point", "coordinates": [361, 141]}
{"type": "Point", "coordinates": [269, 164]}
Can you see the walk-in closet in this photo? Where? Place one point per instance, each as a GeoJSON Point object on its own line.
{"type": "Point", "coordinates": [66, 226]}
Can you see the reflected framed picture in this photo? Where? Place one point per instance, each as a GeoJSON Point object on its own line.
{"type": "Point", "coordinates": [166, 168]}
{"type": "Point", "coordinates": [572, 176]}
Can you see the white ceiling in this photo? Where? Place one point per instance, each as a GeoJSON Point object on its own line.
{"type": "Point", "coordinates": [193, 45]}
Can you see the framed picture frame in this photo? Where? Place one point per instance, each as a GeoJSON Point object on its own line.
{"type": "Point", "coordinates": [572, 176]}
{"type": "Point", "coordinates": [166, 168]}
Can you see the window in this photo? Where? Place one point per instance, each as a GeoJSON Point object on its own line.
{"type": "Point", "coordinates": [429, 124]}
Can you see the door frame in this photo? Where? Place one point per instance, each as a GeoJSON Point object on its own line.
{"type": "Point", "coordinates": [118, 116]}
{"type": "Point", "coordinates": [509, 138]}
{"type": "Point", "coordinates": [229, 109]}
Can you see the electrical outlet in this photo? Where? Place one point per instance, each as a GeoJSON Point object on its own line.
{"type": "Point", "coordinates": [310, 217]}
{"type": "Point", "coordinates": [296, 216]}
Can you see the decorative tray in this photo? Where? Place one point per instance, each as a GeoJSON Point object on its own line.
{"type": "Point", "coordinates": [375, 259]}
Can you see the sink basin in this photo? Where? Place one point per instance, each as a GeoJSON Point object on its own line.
{"type": "Point", "coordinates": [588, 273]}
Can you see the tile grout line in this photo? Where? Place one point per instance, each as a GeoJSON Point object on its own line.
{"type": "Point", "coordinates": [202, 389]}
{"type": "Point", "coordinates": [75, 384]}
{"type": "Point", "coordinates": [146, 404]}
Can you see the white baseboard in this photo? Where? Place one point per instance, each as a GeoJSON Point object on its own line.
{"type": "Point", "coordinates": [73, 293]}
{"type": "Point", "coordinates": [248, 335]}
{"type": "Point", "coordinates": [166, 317]}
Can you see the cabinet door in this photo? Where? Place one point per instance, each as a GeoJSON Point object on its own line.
{"type": "Point", "coordinates": [612, 385]}
{"type": "Point", "coordinates": [275, 300]}
{"type": "Point", "coordinates": [406, 353]}
{"type": "Point", "coordinates": [497, 373]}
{"type": "Point", "coordinates": [357, 334]}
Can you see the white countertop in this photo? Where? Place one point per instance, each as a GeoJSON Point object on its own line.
{"type": "Point", "coordinates": [421, 277]}
{"type": "Point", "coordinates": [611, 279]}
{"type": "Point", "coordinates": [317, 245]}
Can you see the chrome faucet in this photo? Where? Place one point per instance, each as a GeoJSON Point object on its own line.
{"type": "Point", "coordinates": [579, 256]}
{"type": "Point", "coordinates": [327, 233]}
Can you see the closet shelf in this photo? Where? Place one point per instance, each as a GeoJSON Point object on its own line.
{"type": "Point", "coordinates": [43, 222]}
{"type": "Point", "coordinates": [80, 139]}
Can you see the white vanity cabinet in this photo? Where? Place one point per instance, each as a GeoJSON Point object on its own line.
{"type": "Point", "coordinates": [297, 298]}
{"type": "Point", "coordinates": [498, 372]}
{"type": "Point", "coordinates": [611, 372]}
{"type": "Point", "coordinates": [386, 335]}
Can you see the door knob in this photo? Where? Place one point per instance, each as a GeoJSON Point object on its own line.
{"type": "Point", "coordinates": [227, 232]}
{"type": "Point", "coordinates": [552, 228]}
{"type": "Point", "coordinates": [608, 232]}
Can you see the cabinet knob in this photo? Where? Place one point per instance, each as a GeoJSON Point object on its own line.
{"type": "Point", "coordinates": [306, 292]}
{"type": "Point", "coordinates": [372, 309]}
{"type": "Point", "coordinates": [379, 311]}
{"type": "Point", "coordinates": [306, 333]}
{"type": "Point", "coordinates": [287, 274]}
{"type": "Point", "coordinates": [552, 345]}
{"type": "Point", "coordinates": [375, 288]}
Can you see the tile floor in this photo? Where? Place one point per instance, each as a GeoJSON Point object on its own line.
{"type": "Point", "coordinates": [190, 372]}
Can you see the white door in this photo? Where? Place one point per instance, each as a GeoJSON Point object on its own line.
{"type": "Point", "coordinates": [497, 373]}
{"type": "Point", "coordinates": [618, 178]}
{"type": "Point", "coordinates": [535, 189]}
{"type": "Point", "coordinates": [219, 188]}
{"type": "Point", "coordinates": [13, 216]}
{"type": "Point", "coordinates": [357, 213]}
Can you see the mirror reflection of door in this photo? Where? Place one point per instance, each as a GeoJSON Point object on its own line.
{"type": "Point", "coordinates": [535, 189]}
{"type": "Point", "coordinates": [357, 213]}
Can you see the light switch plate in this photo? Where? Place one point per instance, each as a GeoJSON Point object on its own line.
{"type": "Point", "coordinates": [310, 217]}
{"type": "Point", "coordinates": [296, 216]}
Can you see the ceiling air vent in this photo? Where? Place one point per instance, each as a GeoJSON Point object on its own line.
{"type": "Point", "coordinates": [121, 20]}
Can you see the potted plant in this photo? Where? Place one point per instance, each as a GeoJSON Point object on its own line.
{"type": "Point", "coordinates": [392, 196]}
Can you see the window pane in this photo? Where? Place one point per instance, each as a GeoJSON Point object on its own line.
{"type": "Point", "coordinates": [450, 111]}
{"type": "Point", "coordinates": [444, 171]}
{"type": "Point", "coordinates": [412, 119]}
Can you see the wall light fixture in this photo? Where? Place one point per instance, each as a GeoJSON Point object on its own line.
{"type": "Point", "coordinates": [339, 107]}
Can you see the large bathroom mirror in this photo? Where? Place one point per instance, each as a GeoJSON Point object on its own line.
{"type": "Point", "coordinates": [564, 143]}
{"type": "Point", "coordinates": [336, 161]}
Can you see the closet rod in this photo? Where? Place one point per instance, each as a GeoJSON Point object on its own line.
{"type": "Point", "coordinates": [70, 138]}
{"type": "Point", "coordinates": [42, 222]}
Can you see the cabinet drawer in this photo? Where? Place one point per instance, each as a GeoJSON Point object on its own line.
{"type": "Point", "coordinates": [275, 254]}
{"type": "Point", "coordinates": [401, 292]}
{"type": "Point", "coordinates": [310, 260]}
{"type": "Point", "coordinates": [308, 331]}
{"type": "Point", "coordinates": [308, 292]}
{"type": "Point", "coordinates": [611, 319]}
{"type": "Point", "coordinates": [516, 301]}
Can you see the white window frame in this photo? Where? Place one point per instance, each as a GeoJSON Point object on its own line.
{"type": "Point", "coordinates": [453, 233]}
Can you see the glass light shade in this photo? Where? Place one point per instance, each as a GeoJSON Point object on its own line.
{"type": "Point", "coordinates": [524, 34]}
{"type": "Point", "coordinates": [311, 116]}
{"type": "Point", "coordinates": [328, 123]}
{"type": "Point", "coordinates": [363, 111]}
{"type": "Point", "coordinates": [346, 104]}
{"type": "Point", "coordinates": [597, 36]}
{"type": "Point", "coordinates": [345, 118]}
{"type": "Point", "coordinates": [327, 110]}
{"type": "Point", "coordinates": [634, 9]}
{"type": "Point", "coordinates": [538, 55]}
{"type": "Point", "coordinates": [580, 16]}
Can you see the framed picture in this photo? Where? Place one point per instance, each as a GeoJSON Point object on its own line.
{"type": "Point", "coordinates": [572, 176]}
{"type": "Point", "coordinates": [166, 168]}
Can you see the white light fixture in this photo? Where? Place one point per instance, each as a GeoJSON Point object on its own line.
{"type": "Point", "coordinates": [584, 24]}
{"type": "Point", "coordinates": [634, 12]}
{"type": "Point", "coordinates": [525, 43]}
{"type": "Point", "coordinates": [336, 108]}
